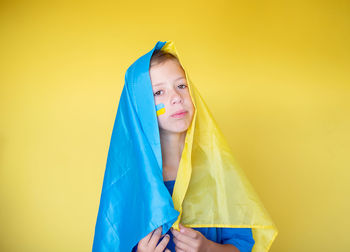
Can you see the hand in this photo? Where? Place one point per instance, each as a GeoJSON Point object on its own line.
{"type": "Point", "coordinates": [149, 242]}
{"type": "Point", "coordinates": [190, 240]}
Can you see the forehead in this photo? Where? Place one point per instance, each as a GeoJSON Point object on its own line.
{"type": "Point", "coordinates": [168, 71]}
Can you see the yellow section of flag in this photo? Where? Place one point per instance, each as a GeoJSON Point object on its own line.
{"type": "Point", "coordinates": [211, 190]}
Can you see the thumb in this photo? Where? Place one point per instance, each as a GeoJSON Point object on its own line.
{"type": "Point", "coordinates": [182, 228]}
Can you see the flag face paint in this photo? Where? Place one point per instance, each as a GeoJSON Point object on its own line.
{"type": "Point", "coordinates": [160, 109]}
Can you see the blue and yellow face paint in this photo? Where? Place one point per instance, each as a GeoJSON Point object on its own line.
{"type": "Point", "coordinates": [160, 109]}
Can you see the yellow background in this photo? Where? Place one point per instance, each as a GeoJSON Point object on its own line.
{"type": "Point", "coordinates": [275, 75]}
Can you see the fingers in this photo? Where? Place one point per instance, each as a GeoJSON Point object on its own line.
{"type": "Point", "coordinates": [183, 237]}
{"type": "Point", "coordinates": [180, 246]}
{"type": "Point", "coordinates": [144, 241]}
{"type": "Point", "coordinates": [162, 245]}
{"type": "Point", "coordinates": [188, 231]}
{"type": "Point", "coordinates": [155, 237]}
{"type": "Point", "coordinates": [177, 249]}
{"type": "Point", "coordinates": [150, 241]}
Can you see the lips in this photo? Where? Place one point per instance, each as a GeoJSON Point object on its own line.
{"type": "Point", "coordinates": [179, 114]}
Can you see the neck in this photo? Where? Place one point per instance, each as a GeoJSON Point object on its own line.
{"type": "Point", "coordinates": [172, 145]}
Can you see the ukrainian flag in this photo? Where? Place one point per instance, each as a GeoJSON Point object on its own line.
{"type": "Point", "coordinates": [211, 190]}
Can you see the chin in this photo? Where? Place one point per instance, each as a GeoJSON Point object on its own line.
{"type": "Point", "coordinates": [175, 129]}
{"type": "Point", "coordinates": [181, 127]}
{"type": "Point", "coordinates": [181, 130]}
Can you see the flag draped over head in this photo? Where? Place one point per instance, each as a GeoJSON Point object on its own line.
{"type": "Point", "coordinates": [210, 190]}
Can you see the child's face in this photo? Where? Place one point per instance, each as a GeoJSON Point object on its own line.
{"type": "Point", "coordinates": [170, 88]}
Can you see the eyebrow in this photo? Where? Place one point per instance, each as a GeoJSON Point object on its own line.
{"type": "Point", "coordinates": [160, 83]}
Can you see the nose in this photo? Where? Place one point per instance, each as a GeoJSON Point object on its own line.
{"type": "Point", "coordinates": [175, 97]}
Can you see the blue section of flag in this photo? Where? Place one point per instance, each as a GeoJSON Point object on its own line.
{"type": "Point", "coordinates": [134, 200]}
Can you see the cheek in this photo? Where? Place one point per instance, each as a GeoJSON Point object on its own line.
{"type": "Point", "coordinates": [162, 121]}
{"type": "Point", "coordinates": [189, 102]}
